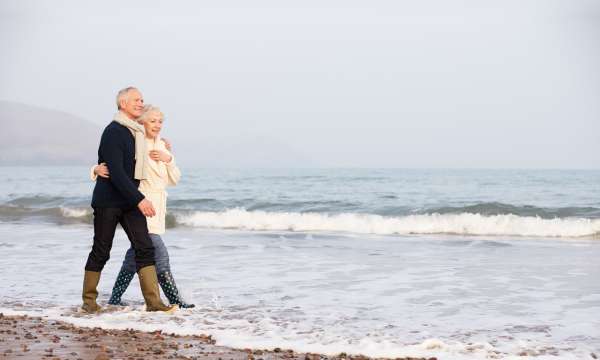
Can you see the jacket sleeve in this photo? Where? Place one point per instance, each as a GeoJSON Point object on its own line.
{"type": "Point", "coordinates": [113, 156]}
{"type": "Point", "coordinates": [173, 172]}
{"type": "Point", "coordinates": [93, 175]}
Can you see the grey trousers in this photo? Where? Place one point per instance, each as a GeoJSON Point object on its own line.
{"type": "Point", "coordinates": [161, 256]}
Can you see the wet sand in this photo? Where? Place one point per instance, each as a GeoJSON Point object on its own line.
{"type": "Point", "coordinates": [25, 337]}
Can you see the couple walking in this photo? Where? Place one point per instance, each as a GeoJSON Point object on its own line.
{"type": "Point", "coordinates": [135, 167]}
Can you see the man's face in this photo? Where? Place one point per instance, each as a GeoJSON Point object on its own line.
{"type": "Point", "coordinates": [133, 105]}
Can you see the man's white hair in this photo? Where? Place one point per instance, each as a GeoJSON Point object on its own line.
{"type": "Point", "coordinates": [149, 109]}
{"type": "Point", "coordinates": [123, 94]}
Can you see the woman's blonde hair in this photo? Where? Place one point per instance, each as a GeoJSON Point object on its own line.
{"type": "Point", "coordinates": [148, 109]}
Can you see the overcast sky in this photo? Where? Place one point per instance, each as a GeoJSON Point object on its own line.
{"type": "Point", "coordinates": [450, 83]}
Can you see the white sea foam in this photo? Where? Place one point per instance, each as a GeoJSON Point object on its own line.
{"type": "Point", "coordinates": [463, 224]}
{"type": "Point", "coordinates": [322, 293]}
{"type": "Point", "coordinates": [74, 212]}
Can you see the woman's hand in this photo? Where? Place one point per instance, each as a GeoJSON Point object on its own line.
{"type": "Point", "coordinates": [101, 170]}
{"type": "Point", "coordinates": [158, 155]}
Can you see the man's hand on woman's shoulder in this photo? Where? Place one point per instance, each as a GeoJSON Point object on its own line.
{"type": "Point", "coordinates": [167, 143]}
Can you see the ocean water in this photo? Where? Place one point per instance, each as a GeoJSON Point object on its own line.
{"type": "Point", "coordinates": [458, 264]}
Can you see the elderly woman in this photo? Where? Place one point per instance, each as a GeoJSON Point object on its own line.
{"type": "Point", "coordinates": [161, 172]}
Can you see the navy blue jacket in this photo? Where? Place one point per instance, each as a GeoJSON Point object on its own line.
{"type": "Point", "coordinates": [117, 150]}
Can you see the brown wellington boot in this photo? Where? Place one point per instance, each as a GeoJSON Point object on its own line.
{"type": "Point", "coordinates": [90, 282]}
{"type": "Point", "coordinates": [149, 285]}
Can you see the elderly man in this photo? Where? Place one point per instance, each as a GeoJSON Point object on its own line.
{"type": "Point", "coordinates": [117, 200]}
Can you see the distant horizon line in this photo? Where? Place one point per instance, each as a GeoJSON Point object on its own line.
{"type": "Point", "coordinates": [326, 168]}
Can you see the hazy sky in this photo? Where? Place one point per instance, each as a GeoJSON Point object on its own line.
{"type": "Point", "coordinates": [447, 83]}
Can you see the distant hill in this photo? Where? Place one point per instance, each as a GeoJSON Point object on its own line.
{"type": "Point", "coordinates": [31, 135]}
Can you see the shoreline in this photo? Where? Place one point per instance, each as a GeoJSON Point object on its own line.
{"type": "Point", "coordinates": [28, 337]}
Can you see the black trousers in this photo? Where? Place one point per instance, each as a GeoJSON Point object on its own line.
{"type": "Point", "coordinates": [135, 226]}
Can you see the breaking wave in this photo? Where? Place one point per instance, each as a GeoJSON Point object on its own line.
{"type": "Point", "coordinates": [54, 214]}
{"type": "Point", "coordinates": [497, 208]}
{"type": "Point", "coordinates": [462, 224]}
{"type": "Point", "coordinates": [485, 218]}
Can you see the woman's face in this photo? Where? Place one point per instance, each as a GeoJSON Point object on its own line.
{"type": "Point", "coordinates": [153, 124]}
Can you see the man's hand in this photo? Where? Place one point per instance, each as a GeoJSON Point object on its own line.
{"type": "Point", "coordinates": [147, 208]}
{"type": "Point", "coordinates": [167, 143]}
{"type": "Point", "coordinates": [101, 170]}
{"type": "Point", "coordinates": [158, 155]}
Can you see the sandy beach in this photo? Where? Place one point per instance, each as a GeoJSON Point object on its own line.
{"type": "Point", "coordinates": [25, 337]}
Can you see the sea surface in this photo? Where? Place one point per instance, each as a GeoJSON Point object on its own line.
{"type": "Point", "coordinates": [458, 264]}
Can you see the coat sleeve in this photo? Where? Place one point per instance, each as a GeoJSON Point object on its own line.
{"type": "Point", "coordinates": [173, 172]}
{"type": "Point", "coordinates": [113, 156]}
{"type": "Point", "coordinates": [93, 176]}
